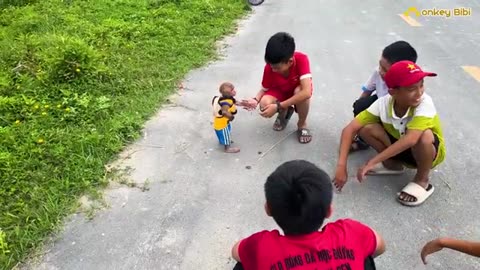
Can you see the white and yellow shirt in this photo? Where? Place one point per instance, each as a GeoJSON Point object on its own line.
{"type": "Point", "coordinates": [422, 117]}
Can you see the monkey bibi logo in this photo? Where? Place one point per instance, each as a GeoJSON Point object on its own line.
{"type": "Point", "coordinates": [413, 10]}
{"type": "Point", "coordinates": [439, 12]}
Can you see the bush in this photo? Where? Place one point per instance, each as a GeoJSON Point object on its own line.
{"type": "Point", "coordinates": [16, 3]}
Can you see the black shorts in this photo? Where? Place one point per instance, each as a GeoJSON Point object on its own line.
{"type": "Point", "coordinates": [407, 155]}
{"type": "Point", "coordinates": [362, 104]}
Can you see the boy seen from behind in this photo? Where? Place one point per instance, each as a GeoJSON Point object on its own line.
{"type": "Point", "coordinates": [299, 198]}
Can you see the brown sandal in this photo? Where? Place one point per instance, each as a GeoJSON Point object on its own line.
{"type": "Point", "coordinates": [304, 135]}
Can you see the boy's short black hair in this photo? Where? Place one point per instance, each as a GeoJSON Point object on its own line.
{"type": "Point", "coordinates": [299, 195]}
{"type": "Point", "coordinates": [399, 51]}
{"type": "Point", "coordinates": [280, 48]}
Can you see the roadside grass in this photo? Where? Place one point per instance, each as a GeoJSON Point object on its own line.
{"type": "Point", "coordinates": [77, 81]}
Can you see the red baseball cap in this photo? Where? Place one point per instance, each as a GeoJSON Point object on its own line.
{"type": "Point", "coordinates": [405, 73]}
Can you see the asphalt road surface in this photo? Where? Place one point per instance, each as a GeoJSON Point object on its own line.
{"type": "Point", "coordinates": [200, 200]}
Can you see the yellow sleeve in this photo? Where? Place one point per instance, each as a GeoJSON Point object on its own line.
{"type": "Point", "coordinates": [367, 117]}
{"type": "Point", "coordinates": [372, 114]}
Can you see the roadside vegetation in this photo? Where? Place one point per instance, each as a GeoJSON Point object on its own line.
{"type": "Point", "coordinates": [77, 81]}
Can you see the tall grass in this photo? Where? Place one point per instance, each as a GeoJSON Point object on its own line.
{"type": "Point", "coordinates": [77, 81]}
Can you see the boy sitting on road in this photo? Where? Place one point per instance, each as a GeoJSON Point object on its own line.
{"type": "Point", "coordinates": [299, 198]}
{"type": "Point", "coordinates": [404, 128]}
{"type": "Point", "coordinates": [375, 86]}
{"type": "Point", "coordinates": [286, 85]}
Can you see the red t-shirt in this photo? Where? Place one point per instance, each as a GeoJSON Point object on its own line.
{"type": "Point", "coordinates": [343, 245]}
{"type": "Point", "coordinates": [300, 69]}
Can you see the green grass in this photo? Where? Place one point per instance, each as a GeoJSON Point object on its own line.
{"type": "Point", "coordinates": [77, 81]}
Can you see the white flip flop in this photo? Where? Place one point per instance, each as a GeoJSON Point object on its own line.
{"type": "Point", "coordinates": [417, 191]}
{"type": "Point", "coordinates": [379, 169]}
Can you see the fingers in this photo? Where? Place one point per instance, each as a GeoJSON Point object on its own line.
{"type": "Point", "coordinates": [248, 106]}
{"type": "Point", "coordinates": [423, 255]}
{"type": "Point", "coordinates": [424, 259]}
{"type": "Point", "coordinates": [429, 248]}
{"type": "Point", "coordinates": [338, 184]}
{"type": "Point", "coordinates": [361, 174]}
{"type": "Point", "coordinates": [265, 114]}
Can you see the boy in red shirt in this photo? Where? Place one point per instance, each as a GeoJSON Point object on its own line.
{"type": "Point", "coordinates": [286, 85]}
{"type": "Point", "coordinates": [299, 197]}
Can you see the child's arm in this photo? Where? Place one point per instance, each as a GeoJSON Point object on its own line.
{"type": "Point", "coordinates": [226, 113]}
{"type": "Point", "coordinates": [259, 95]}
{"type": "Point", "coordinates": [369, 86]}
{"type": "Point", "coordinates": [346, 140]}
{"type": "Point", "coordinates": [404, 143]}
{"type": "Point", "coordinates": [467, 247]}
{"type": "Point", "coordinates": [366, 94]}
{"type": "Point", "coordinates": [235, 251]}
{"type": "Point", "coordinates": [304, 93]}
{"type": "Point", "coordinates": [380, 249]}
{"type": "Point", "coordinates": [368, 116]}
{"type": "Point", "coordinates": [251, 104]}
{"type": "Point", "coordinates": [303, 68]}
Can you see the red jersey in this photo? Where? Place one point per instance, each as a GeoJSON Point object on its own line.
{"type": "Point", "coordinates": [300, 69]}
{"type": "Point", "coordinates": [341, 245]}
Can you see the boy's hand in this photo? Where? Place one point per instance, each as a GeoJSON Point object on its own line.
{"type": "Point", "coordinates": [429, 248]}
{"type": "Point", "coordinates": [362, 171]}
{"type": "Point", "coordinates": [340, 179]}
{"type": "Point", "coordinates": [269, 110]}
{"type": "Point", "coordinates": [249, 104]}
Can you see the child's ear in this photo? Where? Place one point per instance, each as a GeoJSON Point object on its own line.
{"type": "Point", "coordinates": [267, 210]}
{"type": "Point", "coordinates": [391, 91]}
{"type": "Point", "coordinates": [329, 211]}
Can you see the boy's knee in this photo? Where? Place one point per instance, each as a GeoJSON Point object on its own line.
{"type": "Point", "coordinates": [427, 138]}
{"type": "Point", "coordinates": [267, 100]}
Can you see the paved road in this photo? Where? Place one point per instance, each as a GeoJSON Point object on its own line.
{"type": "Point", "coordinates": [201, 200]}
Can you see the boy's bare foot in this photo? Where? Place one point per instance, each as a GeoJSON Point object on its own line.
{"type": "Point", "coordinates": [229, 149]}
{"type": "Point", "coordinates": [411, 198]}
